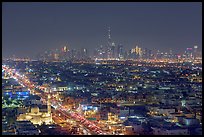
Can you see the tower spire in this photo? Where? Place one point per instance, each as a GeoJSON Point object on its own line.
{"type": "Point", "coordinates": [109, 33]}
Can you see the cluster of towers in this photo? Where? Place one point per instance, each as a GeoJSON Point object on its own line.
{"type": "Point", "coordinates": [136, 52]}
{"type": "Point", "coordinates": [110, 50]}
{"type": "Point", "coordinates": [64, 54]}
{"type": "Point", "coordinates": [191, 53]}
{"type": "Point", "coordinates": [113, 51]}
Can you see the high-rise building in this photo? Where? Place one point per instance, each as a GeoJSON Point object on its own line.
{"type": "Point", "coordinates": [56, 56]}
{"type": "Point", "coordinates": [64, 49]}
{"type": "Point", "coordinates": [109, 44]}
{"type": "Point", "coordinates": [160, 54]}
{"type": "Point", "coordinates": [101, 52]}
{"type": "Point", "coordinates": [136, 53]}
{"type": "Point", "coordinates": [120, 51]}
{"type": "Point", "coordinates": [109, 36]}
{"type": "Point", "coordinates": [137, 50]}
{"type": "Point", "coordinates": [146, 53]}
{"type": "Point", "coordinates": [64, 55]}
{"type": "Point", "coordinates": [170, 54]}
{"type": "Point", "coordinates": [189, 53]}
{"type": "Point", "coordinates": [140, 52]}
{"type": "Point", "coordinates": [111, 48]}
{"type": "Point", "coordinates": [195, 51]}
{"type": "Point", "coordinates": [84, 53]}
{"type": "Point", "coordinates": [151, 55]}
{"type": "Point", "coordinates": [73, 53]}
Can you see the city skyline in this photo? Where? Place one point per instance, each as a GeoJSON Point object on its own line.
{"type": "Point", "coordinates": [30, 28]}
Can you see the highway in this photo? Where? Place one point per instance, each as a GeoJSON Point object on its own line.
{"type": "Point", "coordinates": [67, 113]}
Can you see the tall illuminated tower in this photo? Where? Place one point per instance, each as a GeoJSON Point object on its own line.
{"type": "Point", "coordinates": [108, 50]}
{"type": "Point", "coordinates": [195, 52]}
{"type": "Point", "coordinates": [111, 50]}
{"type": "Point", "coordinates": [109, 36]}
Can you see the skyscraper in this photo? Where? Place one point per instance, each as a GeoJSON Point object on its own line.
{"type": "Point", "coordinates": [189, 53]}
{"type": "Point", "coordinates": [109, 44]}
{"type": "Point", "coordinates": [120, 51]}
{"type": "Point", "coordinates": [64, 55]}
{"type": "Point", "coordinates": [195, 51]}
{"type": "Point", "coordinates": [136, 52]}
{"type": "Point", "coordinates": [64, 49]}
{"type": "Point", "coordinates": [146, 53]}
{"type": "Point", "coordinates": [84, 53]}
{"type": "Point", "coordinates": [111, 48]}
{"type": "Point", "coordinates": [170, 54]}
{"type": "Point", "coordinates": [140, 52]}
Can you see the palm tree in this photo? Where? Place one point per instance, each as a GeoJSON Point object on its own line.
{"type": "Point", "coordinates": [6, 97]}
{"type": "Point", "coordinates": [9, 101]}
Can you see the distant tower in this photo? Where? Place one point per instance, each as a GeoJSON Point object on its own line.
{"type": "Point", "coordinates": [109, 44]}
{"type": "Point", "coordinates": [64, 49]}
{"type": "Point", "coordinates": [170, 53]}
{"type": "Point", "coordinates": [120, 51]}
{"type": "Point", "coordinates": [140, 52]}
{"type": "Point", "coordinates": [109, 35]}
{"type": "Point", "coordinates": [109, 38]}
{"type": "Point", "coordinates": [195, 51]}
{"type": "Point", "coordinates": [189, 53]}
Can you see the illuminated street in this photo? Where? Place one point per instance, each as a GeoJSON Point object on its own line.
{"type": "Point", "coordinates": [65, 113]}
{"type": "Point", "coordinates": [111, 68]}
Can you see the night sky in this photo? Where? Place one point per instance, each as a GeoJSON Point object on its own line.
{"type": "Point", "coordinates": [30, 28]}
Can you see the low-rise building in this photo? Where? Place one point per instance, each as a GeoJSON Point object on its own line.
{"type": "Point", "coordinates": [25, 128]}
{"type": "Point", "coordinates": [173, 130]}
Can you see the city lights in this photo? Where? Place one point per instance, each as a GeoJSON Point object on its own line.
{"type": "Point", "coordinates": [102, 68]}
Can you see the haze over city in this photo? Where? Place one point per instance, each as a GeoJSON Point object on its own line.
{"type": "Point", "coordinates": [32, 28]}
{"type": "Point", "coordinates": [102, 68]}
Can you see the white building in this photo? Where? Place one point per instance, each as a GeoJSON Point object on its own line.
{"type": "Point", "coordinates": [37, 117]}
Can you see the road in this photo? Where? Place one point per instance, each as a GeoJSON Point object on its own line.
{"type": "Point", "coordinates": [69, 123]}
{"type": "Point", "coordinates": [67, 113]}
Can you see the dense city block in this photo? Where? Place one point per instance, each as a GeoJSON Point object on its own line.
{"type": "Point", "coordinates": [105, 97]}
{"type": "Point", "coordinates": [102, 68]}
